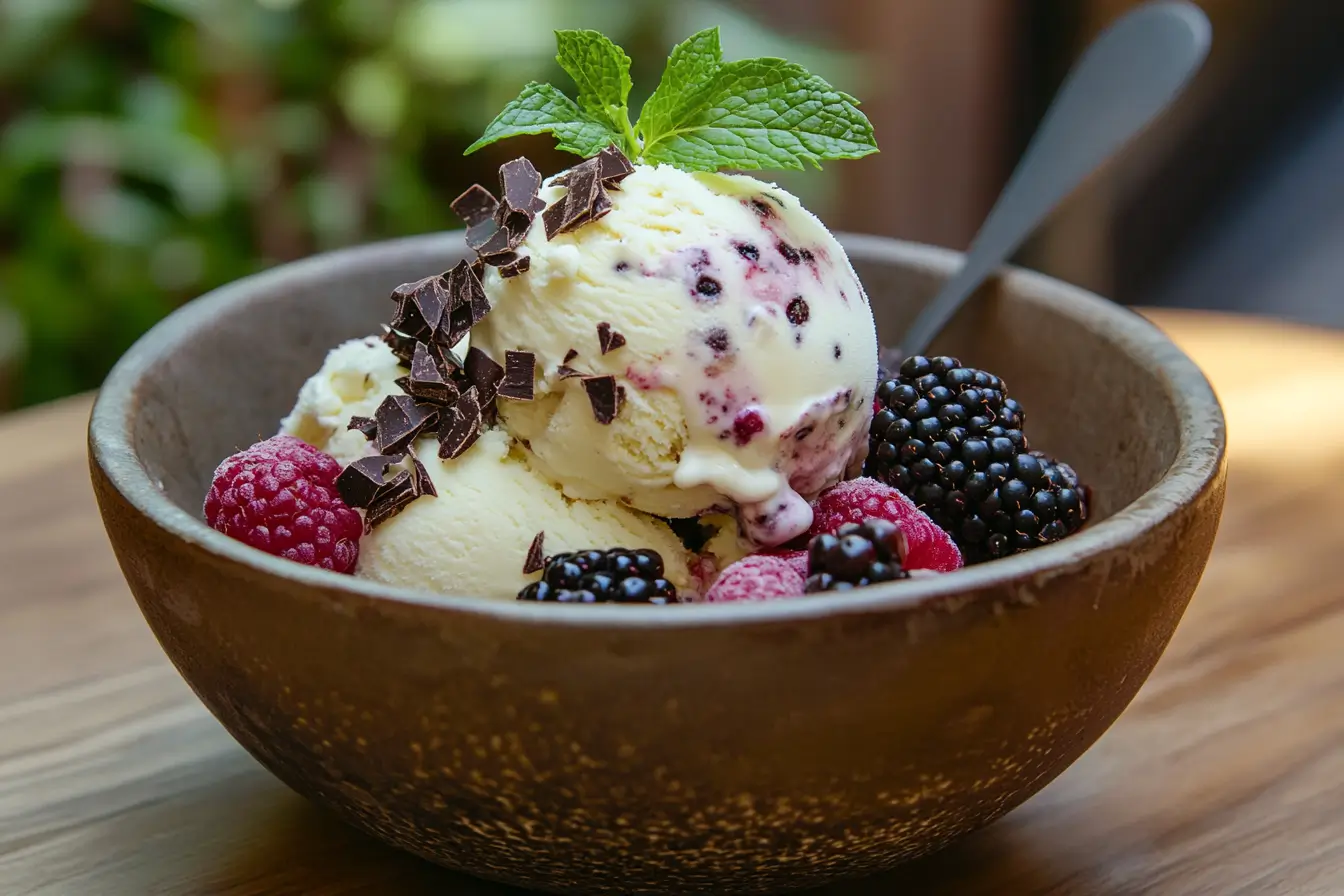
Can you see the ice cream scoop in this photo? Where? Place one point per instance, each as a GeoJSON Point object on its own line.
{"type": "Point", "coordinates": [740, 339]}
{"type": "Point", "coordinates": [473, 538]}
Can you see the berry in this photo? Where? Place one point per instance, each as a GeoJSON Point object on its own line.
{"type": "Point", "coordinates": [757, 577]}
{"type": "Point", "coordinates": [795, 558]}
{"type": "Point", "coordinates": [280, 496]}
{"type": "Point", "coordinates": [857, 554]}
{"type": "Point", "coordinates": [618, 575]}
{"type": "Point", "coordinates": [927, 546]}
{"type": "Point", "coordinates": [951, 439]}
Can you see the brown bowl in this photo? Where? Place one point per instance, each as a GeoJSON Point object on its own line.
{"type": "Point", "coordinates": [707, 748]}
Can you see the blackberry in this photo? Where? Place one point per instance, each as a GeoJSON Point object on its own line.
{"type": "Point", "coordinates": [951, 440]}
{"type": "Point", "coordinates": [618, 575]}
{"type": "Point", "coordinates": [857, 554]}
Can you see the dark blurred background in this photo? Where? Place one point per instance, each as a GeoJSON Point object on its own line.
{"type": "Point", "coordinates": [153, 149]}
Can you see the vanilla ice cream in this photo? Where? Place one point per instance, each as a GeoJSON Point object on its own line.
{"type": "Point", "coordinates": [474, 537]}
{"type": "Point", "coordinates": [354, 378]}
{"type": "Point", "coordinates": [749, 356]}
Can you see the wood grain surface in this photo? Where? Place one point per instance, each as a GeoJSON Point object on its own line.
{"type": "Point", "coordinates": [1225, 776]}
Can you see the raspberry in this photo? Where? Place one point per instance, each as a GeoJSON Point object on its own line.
{"type": "Point", "coordinates": [795, 558]}
{"type": "Point", "coordinates": [856, 500]}
{"type": "Point", "coordinates": [280, 496]}
{"type": "Point", "coordinates": [757, 577]}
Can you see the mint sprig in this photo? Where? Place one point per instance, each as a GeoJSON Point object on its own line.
{"type": "Point", "coordinates": [706, 114]}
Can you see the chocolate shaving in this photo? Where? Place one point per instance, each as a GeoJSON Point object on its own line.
{"type": "Point", "coordinates": [519, 368]}
{"type": "Point", "coordinates": [427, 381]}
{"type": "Point", "coordinates": [449, 363]}
{"type": "Point", "coordinates": [487, 238]}
{"type": "Point", "coordinates": [400, 420]}
{"type": "Point", "coordinates": [462, 428]}
{"type": "Point", "coordinates": [613, 167]}
{"type": "Point", "coordinates": [519, 182]}
{"type": "Point", "coordinates": [570, 356]}
{"type": "Point", "coordinates": [402, 346]}
{"type": "Point", "coordinates": [467, 299]}
{"type": "Point", "coordinates": [514, 268]}
{"type": "Point", "coordinates": [579, 204]}
{"type": "Point", "coordinates": [367, 426]}
{"type": "Point", "coordinates": [536, 558]}
{"type": "Point", "coordinates": [608, 339]}
{"type": "Point", "coordinates": [484, 373]}
{"type": "Point", "coordinates": [565, 372]}
{"type": "Point", "coordinates": [420, 306]}
{"type": "Point", "coordinates": [392, 499]}
{"type": "Point", "coordinates": [360, 482]}
{"type": "Point", "coordinates": [423, 484]}
{"type": "Point", "coordinates": [475, 205]}
{"type": "Point", "coordinates": [604, 396]}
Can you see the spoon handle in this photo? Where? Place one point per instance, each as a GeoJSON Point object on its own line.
{"type": "Point", "coordinates": [1124, 80]}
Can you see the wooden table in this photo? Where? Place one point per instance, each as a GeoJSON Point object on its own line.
{"type": "Point", "coordinates": [1225, 776]}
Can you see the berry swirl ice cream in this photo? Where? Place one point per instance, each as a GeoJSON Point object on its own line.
{"type": "Point", "coordinates": [746, 351]}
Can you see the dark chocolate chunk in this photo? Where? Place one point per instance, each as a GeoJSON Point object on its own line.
{"type": "Point", "coordinates": [519, 182]}
{"type": "Point", "coordinates": [359, 483]}
{"type": "Point", "coordinates": [577, 206]}
{"type": "Point", "coordinates": [475, 205]}
{"type": "Point", "coordinates": [420, 306]}
{"type": "Point", "coordinates": [484, 373]}
{"type": "Point", "coordinates": [467, 299]}
{"type": "Point", "coordinates": [402, 346]}
{"type": "Point", "coordinates": [400, 420]}
{"type": "Point", "coordinates": [459, 325]}
{"type": "Point", "coordinates": [536, 556]}
{"type": "Point", "coordinates": [423, 484]}
{"type": "Point", "coordinates": [392, 499]}
{"type": "Point", "coordinates": [427, 381]}
{"type": "Point", "coordinates": [565, 372]}
{"type": "Point", "coordinates": [521, 265]}
{"type": "Point", "coordinates": [613, 167]}
{"type": "Point", "coordinates": [604, 397]}
{"type": "Point", "coordinates": [462, 427]}
{"type": "Point", "coordinates": [570, 356]}
{"type": "Point", "coordinates": [519, 368]}
{"type": "Point", "coordinates": [608, 339]}
{"type": "Point", "coordinates": [449, 363]}
{"type": "Point", "coordinates": [366, 425]}
{"type": "Point", "coordinates": [487, 238]}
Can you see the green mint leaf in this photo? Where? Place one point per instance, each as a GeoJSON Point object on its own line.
{"type": "Point", "coordinates": [602, 72]}
{"type": "Point", "coordinates": [760, 113]}
{"type": "Point", "coordinates": [691, 65]}
{"type": "Point", "coordinates": [541, 108]}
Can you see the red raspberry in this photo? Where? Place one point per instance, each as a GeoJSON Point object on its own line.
{"type": "Point", "coordinates": [757, 577]}
{"type": "Point", "coordinates": [280, 496]}
{"type": "Point", "coordinates": [795, 558]}
{"type": "Point", "coordinates": [929, 547]}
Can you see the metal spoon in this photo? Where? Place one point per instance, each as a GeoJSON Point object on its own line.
{"type": "Point", "coordinates": [1128, 76]}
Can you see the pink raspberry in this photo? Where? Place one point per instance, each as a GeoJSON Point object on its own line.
{"type": "Point", "coordinates": [757, 577]}
{"type": "Point", "coordinates": [860, 499]}
{"type": "Point", "coordinates": [795, 558]}
{"type": "Point", "coordinates": [280, 496]}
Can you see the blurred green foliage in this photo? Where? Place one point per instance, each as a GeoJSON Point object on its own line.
{"type": "Point", "coordinates": [153, 149]}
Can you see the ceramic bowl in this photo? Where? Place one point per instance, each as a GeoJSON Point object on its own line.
{"type": "Point", "coordinates": [698, 748]}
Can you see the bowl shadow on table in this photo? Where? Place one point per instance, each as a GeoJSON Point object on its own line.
{"type": "Point", "coordinates": [287, 845]}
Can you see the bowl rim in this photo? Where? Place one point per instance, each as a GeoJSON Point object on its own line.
{"type": "Point", "coordinates": [1198, 459]}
